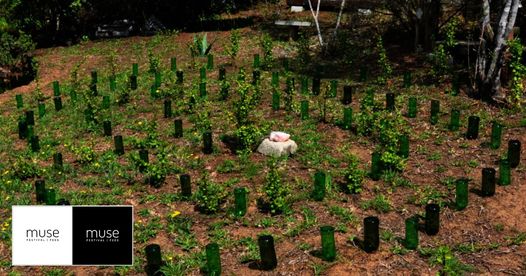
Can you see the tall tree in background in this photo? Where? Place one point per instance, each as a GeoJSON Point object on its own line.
{"type": "Point", "coordinates": [491, 48]}
{"type": "Point", "coordinates": [405, 12]}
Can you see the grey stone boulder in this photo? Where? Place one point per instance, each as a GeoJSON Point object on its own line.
{"type": "Point", "coordinates": [277, 149]}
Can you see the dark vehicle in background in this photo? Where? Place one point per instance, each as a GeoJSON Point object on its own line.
{"type": "Point", "coordinates": [332, 4]}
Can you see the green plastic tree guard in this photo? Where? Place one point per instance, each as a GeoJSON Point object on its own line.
{"type": "Point", "coordinates": [178, 128]}
{"type": "Point", "coordinates": [412, 107]}
{"type": "Point", "coordinates": [135, 69]}
{"type": "Point", "coordinates": [57, 161]}
{"type": "Point", "coordinates": [432, 220]}
{"type": "Point", "coordinates": [371, 239]}
{"type": "Point", "coordinates": [488, 181]}
{"type": "Point", "coordinates": [319, 186]}
{"type": "Point", "coordinates": [473, 127]}
{"type": "Point", "coordinates": [56, 89]}
{"type": "Point", "coordinates": [213, 259]}
{"type": "Point", "coordinates": [19, 101]}
{"type": "Point", "coordinates": [119, 144]}
{"type": "Point", "coordinates": [106, 126]}
{"type": "Point", "coordinates": [404, 146]}
{"type": "Point", "coordinates": [411, 233]}
{"type": "Point", "coordinates": [504, 172]}
{"type": "Point", "coordinates": [133, 82]}
{"type": "Point", "coordinates": [240, 199]}
{"type": "Point", "coordinates": [35, 143]}
{"type": "Point", "coordinates": [496, 134]}
{"type": "Point", "coordinates": [328, 244]}
{"type": "Point", "coordinates": [316, 86]}
{"type": "Point", "coordinates": [207, 143]}
{"type": "Point", "coordinates": [347, 95]}
{"type": "Point", "coordinates": [267, 252]}
{"type": "Point", "coordinates": [454, 123]}
{"type": "Point", "coordinates": [514, 153]}
{"type": "Point", "coordinates": [58, 103]}
{"type": "Point", "coordinates": [461, 193]}
{"type": "Point", "coordinates": [186, 187]}
{"type": "Point", "coordinates": [173, 64]}
{"type": "Point", "coordinates": [40, 191]}
{"type": "Point", "coordinates": [390, 101]}
{"type": "Point", "coordinates": [51, 197]}
{"type": "Point", "coordinates": [180, 76]}
{"type": "Point", "coordinates": [41, 109]}
{"type": "Point", "coordinates": [376, 166]}
{"type": "Point", "coordinates": [30, 117]}
{"type": "Point", "coordinates": [435, 110]}
{"type": "Point", "coordinates": [143, 156]}
{"type": "Point", "coordinates": [275, 100]}
{"type": "Point", "coordinates": [167, 108]}
{"type": "Point", "coordinates": [275, 79]}
{"type": "Point", "coordinates": [347, 118]}
{"type": "Point", "coordinates": [304, 109]}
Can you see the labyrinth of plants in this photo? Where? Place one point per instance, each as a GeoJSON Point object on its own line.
{"type": "Point", "coordinates": [392, 174]}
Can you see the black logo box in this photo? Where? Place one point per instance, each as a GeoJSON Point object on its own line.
{"type": "Point", "coordinates": [102, 235]}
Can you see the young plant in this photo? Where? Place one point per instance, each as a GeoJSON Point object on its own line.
{"type": "Point", "coordinates": [209, 196]}
{"type": "Point", "coordinates": [354, 176]}
{"type": "Point", "coordinates": [233, 50]}
{"type": "Point", "coordinates": [518, 70]}
{"type": "Point", "coordinates": [383, 62]}
{"type": "Point", "coordinates": [153, 61]}
{"type": "Point", "coordinates": [267, 45]}
{"type": "Point", "coordinates": [200, 46]}
{"type": "Point", "coordinates": [276, 191]}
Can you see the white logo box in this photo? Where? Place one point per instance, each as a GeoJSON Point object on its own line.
{"type": "Point", "coordinates": [34, 230]}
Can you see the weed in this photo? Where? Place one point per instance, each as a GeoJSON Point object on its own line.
{"type": "Point", "coordinates": [380, 203]}
{"type": "Point", "coordinates": [343, 214]}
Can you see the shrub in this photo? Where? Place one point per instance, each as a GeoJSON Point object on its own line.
{"type": "Point", "coordinates": [249, 135]}
{"type": "Point", "coordinates": [24, 168]}
{"type": "Point", "coordinates": [277, 192]}
{"type": "Point", "coordinates": [354, 176]}
{"type": "Point", "coordinates": [383, 62]}
{"type": "Point", "coordinates": [235, 37]}
{"type": "Point", "coordinates": [209, 196]}
{"type": "Point", "coordinates": [267, 45]}
{"type": "Point", "coordinates": [518, 71]}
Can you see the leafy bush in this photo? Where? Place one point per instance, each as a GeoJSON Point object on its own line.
{"type": "Point", "coordinates": [235, 37]}
{"type": "Point", "coordinates": [267, 45]}
{"type": "Point", "coordinates": [354, 176]}
{"type": "Point", "coordinates": [383, 62]}
{"type": "Point", "coordinates": [24, 167]}
{"type": "Point", "coordinates": [84, 154]}
{"type": "Point", "coordinates": [244, 104]}
{"type": "Point", "coordinates": [209, 196]}
{"type": "Point", "coordinates": [440, 61]}
{"type": "Point", "coordinates": [518, 71]}
{"type": "Point", "coordinates": [249, 135]}
{"type": "Point", "coordinates": [441, 56]}
{"type": "Point", "coordinates": [276, 191]}
{"type": "Point", "coordinates": [303, 49]}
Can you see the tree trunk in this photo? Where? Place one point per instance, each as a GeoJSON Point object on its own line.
{"type": "Point", "coordinates": [491, 49]}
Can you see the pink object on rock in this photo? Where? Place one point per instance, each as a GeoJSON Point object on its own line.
{"type": "Point", "coordinates": [279, 136]}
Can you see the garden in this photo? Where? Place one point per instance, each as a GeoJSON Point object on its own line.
{"type": "Point", "coordinates": [397, 164]}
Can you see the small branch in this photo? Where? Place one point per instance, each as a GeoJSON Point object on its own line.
{"type": "Point", "coordinates": [339, 18]}
{"type": "Point", "coordinates": [315, 16]}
